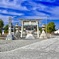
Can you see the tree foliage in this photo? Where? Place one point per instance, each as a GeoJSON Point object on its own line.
{"type": "Point", "coordinates": [50, 27]}
{"type": "Point", "coordinates": [6, 29]}
{"type": "Point", "coordinates": [40, 29]}
{"type": "Point", "coordinates": [1, 25]}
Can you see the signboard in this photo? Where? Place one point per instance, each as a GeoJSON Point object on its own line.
{"type": "Point", "coordinates": [30, 23]}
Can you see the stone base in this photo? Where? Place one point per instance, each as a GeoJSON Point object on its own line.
{"type": "Point", "coordinates": [10, 37]}
{"type": "Point", "coordinates": [29, 36]}
{"type": "Point", "coordinates": [43, 35]}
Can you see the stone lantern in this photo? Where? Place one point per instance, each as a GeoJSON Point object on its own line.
{"type": "Point", "coordinates": [43, 34]}
{"type": "Point", "coordinates": [16, 27]}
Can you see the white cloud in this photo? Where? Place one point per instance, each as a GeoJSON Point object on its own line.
{"type": "Point", "coordinates": [4, 11]}
{"type": "Point", "coordinates": [11, 13]}
{"type": "Point", "coordinates": [13, 5]}
{"type": "Point", "coordinates": [14, 13]}
{"type": "Point", "coordinates": [55, 11]}
{"type": "Point", "coordinates": [6, 19]}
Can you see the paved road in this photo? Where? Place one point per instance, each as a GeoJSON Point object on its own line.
{"type": "Point", "coordinates": [46, 49]}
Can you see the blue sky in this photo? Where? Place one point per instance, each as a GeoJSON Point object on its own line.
{"type": "Point", "coordinates": [34, 8]}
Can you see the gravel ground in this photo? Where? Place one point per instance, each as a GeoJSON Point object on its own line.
{"type": "Point", "coordinates": [7, 45]}
{"type": "Point", "coordinates": [38, 49]}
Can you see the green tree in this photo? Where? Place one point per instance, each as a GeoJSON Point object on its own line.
{"type": "Point", "coordinates": [50, 27]}
{"type": "Point", "coordinates": [6, 29]}
{"type": "Point", "coordinates": [40, 29]}
{"type": "Point", "coordinates": [1, 25]}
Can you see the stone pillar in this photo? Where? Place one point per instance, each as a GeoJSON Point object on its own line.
{"type": "Point", "coordinates": [9, 30]}
{"type": "Point", "coordinates": [37, 29]}
{"type": "Point", "coordinates": [21, 30]}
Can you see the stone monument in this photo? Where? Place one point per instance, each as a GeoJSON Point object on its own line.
{"type": "Point", "coordinates": [43, 34]}
{"type": "Point", "coordinates": [10, 35]}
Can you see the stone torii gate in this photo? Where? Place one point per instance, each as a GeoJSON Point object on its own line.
{"type": "Point", "coordinates": [30, 22]}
